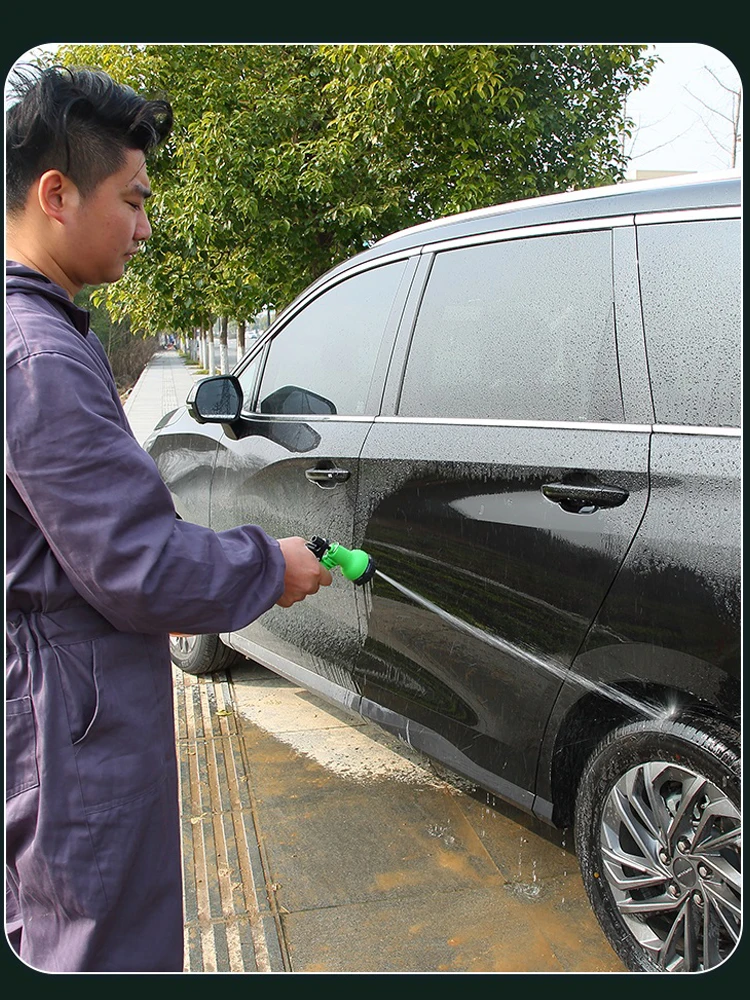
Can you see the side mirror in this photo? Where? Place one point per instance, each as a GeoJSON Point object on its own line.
{"type": "Point", "coordinates": [216, 400]}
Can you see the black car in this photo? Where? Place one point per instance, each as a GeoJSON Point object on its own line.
{"type": "Point", "coordinates": [529, 417]}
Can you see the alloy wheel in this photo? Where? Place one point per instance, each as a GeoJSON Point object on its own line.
{"type": "Point", "coordinates": [671, 845]}
{"type": "Point", "coordinates": [183, 644]}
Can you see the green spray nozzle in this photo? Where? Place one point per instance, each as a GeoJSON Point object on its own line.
{"type": "Point", "coordinates": [356, 565]}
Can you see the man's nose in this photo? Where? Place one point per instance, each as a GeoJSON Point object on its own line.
{"type": "Point", "coordinates": [143, 229]}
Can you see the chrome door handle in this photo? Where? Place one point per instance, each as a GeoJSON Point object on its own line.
{"type": "Point", "coordinates": [326, 478]}
{"type": "Point", "coordinates": [584, 499]}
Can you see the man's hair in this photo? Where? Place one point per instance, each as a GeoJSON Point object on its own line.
{"type": "Point", "coordinates": [78, 121]}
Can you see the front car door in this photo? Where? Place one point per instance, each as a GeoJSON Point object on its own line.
{"type": "Point", "coordinates": [311, 393]}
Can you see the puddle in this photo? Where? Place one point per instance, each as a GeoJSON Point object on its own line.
{"type": "Point", "coordinates": [523, 891]}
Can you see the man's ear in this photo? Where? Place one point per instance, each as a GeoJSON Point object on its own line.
{"type": "Point", "coordinates": [56, 194]}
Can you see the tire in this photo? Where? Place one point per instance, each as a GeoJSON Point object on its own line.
{"type": "Point", "coordinates": [657, 832]}
{"type": "Point", "coordinates": [202, 654]}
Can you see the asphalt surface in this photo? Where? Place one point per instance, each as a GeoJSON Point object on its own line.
{"type": "Point", "coordinates": [314, 842]}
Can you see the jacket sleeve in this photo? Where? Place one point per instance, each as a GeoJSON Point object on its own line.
{"type": "Point", "coordinates": [105, 512]}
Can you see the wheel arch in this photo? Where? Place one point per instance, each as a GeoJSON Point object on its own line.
{"type": "Point", "coordinates": [593, 717]}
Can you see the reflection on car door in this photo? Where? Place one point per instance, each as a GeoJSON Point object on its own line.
{"type": "Point", "coordinates": [293, 467]}
{"type": "Point", "coordinates": [506, 488]}
{"type": "Point", "coordinates": [185, 453]}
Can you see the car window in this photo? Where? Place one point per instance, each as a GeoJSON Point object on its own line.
{"type": "Point", "coordinates": [322, 361]}
{"type": "Point", "coordinates": [247, 378]}
{"type": "Point", "coordinates": [690, 288]}
{"type": "Point", "coordinates": [521, 329]}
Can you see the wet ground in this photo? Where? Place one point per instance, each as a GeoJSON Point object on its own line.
{"type": "Point", "coordinates": [314, 842]}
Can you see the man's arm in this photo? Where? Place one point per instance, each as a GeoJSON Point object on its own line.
{"type": "Point", "coordinates": [109, 519]}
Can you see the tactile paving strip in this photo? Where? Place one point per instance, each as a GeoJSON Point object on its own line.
{"type": "Point", "coordinates": [229, 923]}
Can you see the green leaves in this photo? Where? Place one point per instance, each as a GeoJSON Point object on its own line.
{"type": "Point", "coordinates": [286, 159]}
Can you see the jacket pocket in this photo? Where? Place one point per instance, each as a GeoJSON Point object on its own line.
{"type": "Point", "coordinates": [125, 719]}
{"type": "Point", "coordinates": [21, 767]}
{"type": "Point", "coordinates": [75, 664]}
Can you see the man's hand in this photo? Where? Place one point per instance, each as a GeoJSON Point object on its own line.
{"type": "Point", "coordinates": [304, 574]}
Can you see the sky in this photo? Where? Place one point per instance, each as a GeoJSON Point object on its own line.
{"type": "Point", "coordinates": [681, 115]}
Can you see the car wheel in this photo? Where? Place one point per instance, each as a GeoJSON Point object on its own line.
{"type": "Point", "coordinates": [658, 836]}
{"type": "Point", "coordinates": [202, 654]}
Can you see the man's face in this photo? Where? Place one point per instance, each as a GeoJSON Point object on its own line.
{"type": "Point", "coordinates": [105, 228]}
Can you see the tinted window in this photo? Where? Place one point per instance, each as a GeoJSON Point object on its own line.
{"type": "Point", "coordinates": [522, 330]}
{"type": "Point", "coordinates": [323, 360]}
{"type": "Point", "coordinates": [690, 287]}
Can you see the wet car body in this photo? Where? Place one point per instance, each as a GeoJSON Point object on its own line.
{"type": "Point", "coordinates": [529, 417]}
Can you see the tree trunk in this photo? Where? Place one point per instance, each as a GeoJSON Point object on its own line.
{"type": "Point", "coordinates": [224, 346]}
{"type": "Point", "coordinates": [204, 345]}
{"type": "Point", "coordinates": [241, 328]}
{"type": "Point", "coordinates": [210, 349]}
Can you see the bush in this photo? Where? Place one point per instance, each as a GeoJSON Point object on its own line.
{"type": "Point", "coordinates": [128, 357]}
{"type": "Point", "coordinates": [128, 352]}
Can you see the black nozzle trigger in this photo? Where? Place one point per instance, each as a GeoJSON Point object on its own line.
{"type": "Point", "coordinates": [318, 546]}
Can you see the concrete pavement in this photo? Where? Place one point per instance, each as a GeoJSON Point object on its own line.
{"type": "Point", "coordinates": [163, 386]}
{"type": "Point", "coordinates": [314, 842]}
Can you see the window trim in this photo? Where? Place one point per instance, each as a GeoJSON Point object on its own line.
{"type": "Point", "coordinates": [588, 425]}
{"type": "Point", "coordinates": [697, 429]}
{"type": "Point", "coordinates": [328, 282]}
{"type": "Point", "coordinates": [524, 232]}
{"type": "Point", "coordinates": [568, 425]}
{"type": "Point", "coordinates": [689, 215]}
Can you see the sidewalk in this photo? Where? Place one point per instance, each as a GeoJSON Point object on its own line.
{"type": "Point", "coordinates": [229, 926]}
{"type": "Point", "coordinates": [163, 386]}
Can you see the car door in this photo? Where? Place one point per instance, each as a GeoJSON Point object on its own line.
{"type": "Point", "coordinates": [504, 487]}
{"type": "Point", "coordinates": [673, 617]}
{"type": "Point", "coordinates": [311, 393]}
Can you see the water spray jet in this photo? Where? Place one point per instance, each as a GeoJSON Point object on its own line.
{"type": "Point", "coordinates": [558, 670]}
{"type": "Point", "coordinates": [359, 567]}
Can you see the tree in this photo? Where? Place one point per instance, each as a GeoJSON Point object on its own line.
{"type": "Point", "coordinates": [729, 136]}
{"type": "Point", "coordinates": [452, 128]}
{"type": "Point", "coordinates": [286, 159]}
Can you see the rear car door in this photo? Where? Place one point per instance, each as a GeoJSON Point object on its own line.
{"type": "Point", "coordinates": [310, 393]}
{"type": "Point", "coordinates": [673, 617]}
{"type": "Point", "coordinates": [504, 485]}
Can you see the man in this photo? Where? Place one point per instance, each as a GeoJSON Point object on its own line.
{"type": "Point", "coordinates": [99, 568]}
